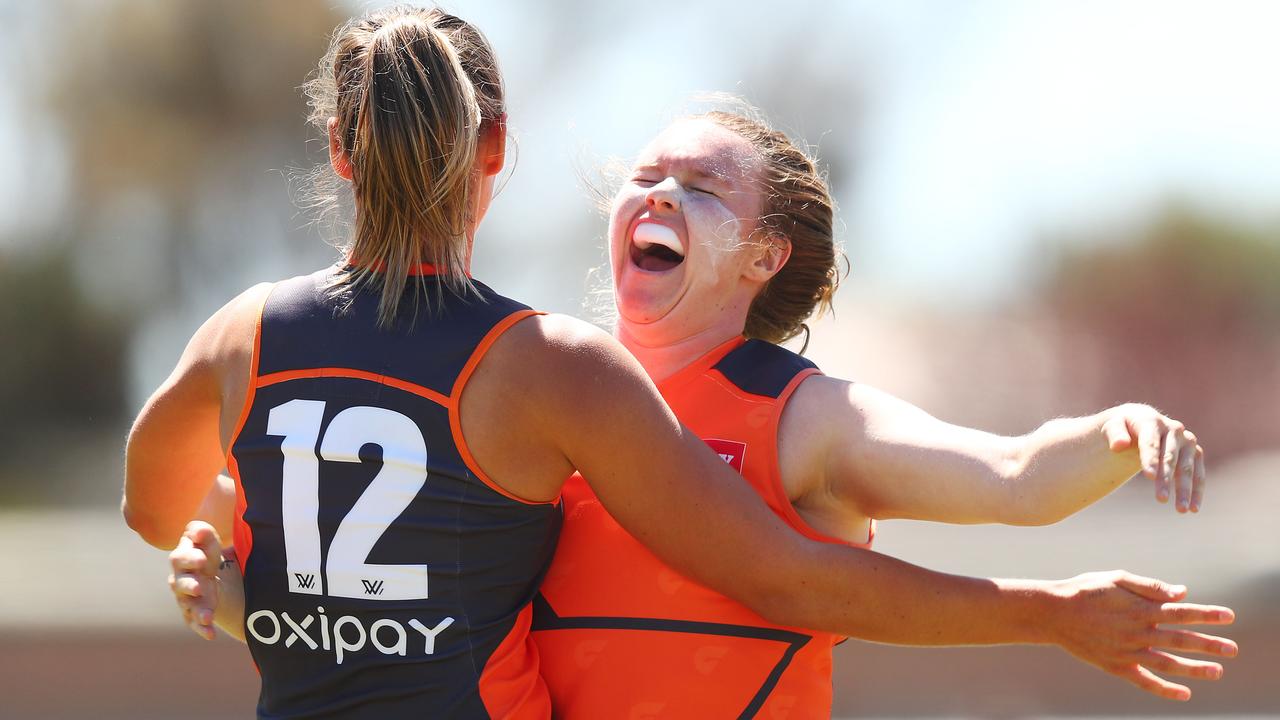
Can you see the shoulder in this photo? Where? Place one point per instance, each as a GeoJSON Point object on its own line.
{"type": "Point", "coordinates": [223, 346]}
{"type": "Point", "coordinates": [232, 328]}
{"type": "Point", "coordinates": [564, 366]}
{"type": "Point", "coordinates": [560, 344]}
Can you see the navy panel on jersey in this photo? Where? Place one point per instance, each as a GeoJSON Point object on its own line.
{"type": "Point", "coordinates": [349, 336]}
{"type": "Point", "coordinates": [762, 368]}
{"type": "Point", "coordinates": [365, 480]}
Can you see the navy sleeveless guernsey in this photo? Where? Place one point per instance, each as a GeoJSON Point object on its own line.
{"type": "Point", "coordinates": [385, 575]}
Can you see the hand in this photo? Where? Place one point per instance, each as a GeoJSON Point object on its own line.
{"type": "Point", "coordinates": [1167, 450]}
{"type": "Point", "coordinates": [1113, 621]}
{"type": "Point", "coordinates": [194, 580]}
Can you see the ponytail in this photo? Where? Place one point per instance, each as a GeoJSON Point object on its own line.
{"type": "Point", "coordinates": [410, 89]}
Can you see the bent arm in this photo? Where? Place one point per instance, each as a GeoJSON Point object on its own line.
{"type": "Point", "coordinates": [592, 400]}
{"type": "Point", "coordinates": [175, 447]}
{"type": "Point", "coordinates": [890, 459]}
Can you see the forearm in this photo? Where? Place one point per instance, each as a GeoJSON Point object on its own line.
{"type": "Point", "coordinates": [218, 508]}
{"type": "Point", "coordinates": [875, 597]}
{"type": "Point", "coordinates": [1066, 465]}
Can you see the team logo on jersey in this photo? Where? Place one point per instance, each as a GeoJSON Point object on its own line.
{"type": "Point", "coordinates": [731, 451]}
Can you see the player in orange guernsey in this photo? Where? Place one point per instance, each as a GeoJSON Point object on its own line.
{"type": "Point", "coordinates": [703, 290]}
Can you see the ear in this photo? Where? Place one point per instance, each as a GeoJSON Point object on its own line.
{"type": "Point", "coordinates": [338, 158]}
{"type": "Point", "coordinates": [772, 257]}
{"type": "Point", "coordinates": [493, 145]}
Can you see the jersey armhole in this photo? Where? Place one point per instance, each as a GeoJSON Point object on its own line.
{"type": "Point", "coordinates": [789, 512]}
{"type": "Point", "coordinates": [455, 406]}
{"type": "Point", "coordinates": [242, 536]}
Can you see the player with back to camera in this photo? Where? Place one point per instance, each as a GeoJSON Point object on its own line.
{"type": "Point", "coordinates": [396, 500]}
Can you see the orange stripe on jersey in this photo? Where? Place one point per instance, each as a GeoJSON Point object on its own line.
{"type": "Point", "coordinates": [455, 408]}
{"type": "Point", "coordinates": [241, 534]}
{"type": "Point", "coordinates": [326, 372]}
{"type": "Point", "coordinates": [507, 688]}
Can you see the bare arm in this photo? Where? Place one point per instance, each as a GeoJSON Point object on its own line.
{"type": "Point", "coordinates": [893, 460]}
{"type": "Point", "coordinates": [176, 446]}
{"type": "Point", "coordinates": [585, 395]}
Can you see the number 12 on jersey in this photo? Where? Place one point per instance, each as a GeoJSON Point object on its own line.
{"type": "Point", "coordinates": [347, 572]}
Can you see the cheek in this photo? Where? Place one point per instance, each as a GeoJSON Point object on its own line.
{"type": "Point", "coordinates": [718, 239]}
{"type": "Point", "coordinates": [621, 212]}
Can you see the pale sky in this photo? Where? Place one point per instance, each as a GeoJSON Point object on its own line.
{"type": "Point", "coordinates": [986, 125]}
{"type": "Point", "coordinates": [983, 125]}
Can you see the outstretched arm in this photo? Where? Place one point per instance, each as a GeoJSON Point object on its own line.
{"type": "Point", "coordinates": [890, 459]}
{"type": "Point", "coordinates": [584, 394]}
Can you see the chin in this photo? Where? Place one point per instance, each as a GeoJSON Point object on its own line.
{"type": "Point", "coordinates": [640, 311]}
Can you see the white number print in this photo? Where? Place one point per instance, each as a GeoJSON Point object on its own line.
{"type": "Point", "coordinates": [347, 571]}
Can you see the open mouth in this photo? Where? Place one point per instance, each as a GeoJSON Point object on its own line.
{"type": "Point", "coordinates": [656, 248]}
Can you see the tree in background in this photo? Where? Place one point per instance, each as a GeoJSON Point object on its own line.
{"type": "Point", "coordinates": [165, 114]}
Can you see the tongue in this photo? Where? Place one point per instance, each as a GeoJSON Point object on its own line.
{"type": "Point", "coordinates": [657, 258]}
{"type": "Point", "coordinates": [655, 234]}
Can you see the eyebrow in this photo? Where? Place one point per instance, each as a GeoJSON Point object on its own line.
{"type": "Point", "coordinates": [700, 171]}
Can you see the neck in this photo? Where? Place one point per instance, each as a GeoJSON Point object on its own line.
{"type": "Point", "coordinates": [661, 359]}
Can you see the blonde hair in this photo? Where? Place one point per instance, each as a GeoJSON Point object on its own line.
{"type": "Point", "coordinates": [412, 89]}
{"type": "Point", "coordinates": [797, 205]}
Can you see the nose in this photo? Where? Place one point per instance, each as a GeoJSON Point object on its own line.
{"type": "Point", "coordinates": [664, 196]}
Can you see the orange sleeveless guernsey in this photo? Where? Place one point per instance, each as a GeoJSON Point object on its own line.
{"type": "Point", "coordinates": [621, 635]}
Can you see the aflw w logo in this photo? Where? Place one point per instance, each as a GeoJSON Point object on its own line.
{"type": "Point", "coordinates": [372, 587]}
{"type": "Point", "coordinates": [305, 581]}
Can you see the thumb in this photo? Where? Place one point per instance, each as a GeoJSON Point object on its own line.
{"type": "Point", "coordinates": [1151, 588]}
{"type": "Point", "coordinates": [1116, 430]}
{"type": "Point", "coordinates": [206, 539]}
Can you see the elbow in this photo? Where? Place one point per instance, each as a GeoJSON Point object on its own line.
{"type": "Point", "coordinates": [150, 528]}
{"type": "Point", "coordinates": [1022, 505]}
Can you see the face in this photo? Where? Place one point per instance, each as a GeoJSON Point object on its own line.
{"type": "Point", "coordinates": [680, 234]}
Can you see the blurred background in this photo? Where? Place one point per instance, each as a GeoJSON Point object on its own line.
{"type": "Point", "coordinates": [1048, 207]}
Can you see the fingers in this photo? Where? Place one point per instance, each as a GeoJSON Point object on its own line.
{"type": "Point", "coordinates": [1150, 444]}
{"type": "Point", "coordinates": [1153, 684]}
{"type": "Point", "coordinates": [195, 568]}
{"type": "Point", "coordinates": [1185, 472]}
{"type": "Point", "coordinates": [1189, 641]}
{"type": "Point", "coordinates": [194, 595]}
{"type": "Point", "coordinates": [1167, 664]}
{"type": "Point", "coordinates": [1197, 487]}
{"type": "Point", "coordinates": [1189, 468]}
{"type": "Point", "coordinates": [1168, 463]}
{"type": "Point", "coordinates": [1151, 588]}
{"type": "Point", "coordinates": [1193, 614]}
{"type": "Point", "coordinates": [1116, 431]}
{"type": "Point", "coordinates": [187, 558]}
{"type": "Point", "coordinates": [205, 538]}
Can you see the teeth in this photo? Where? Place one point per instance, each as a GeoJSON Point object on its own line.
{"type": "Point", "coordinates": [648, 234]}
